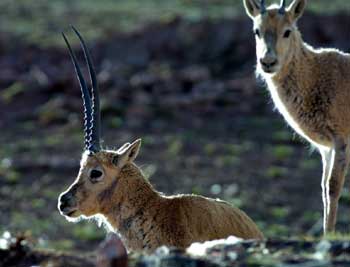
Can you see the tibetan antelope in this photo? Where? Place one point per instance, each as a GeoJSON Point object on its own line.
{"type": "Point", "coordinates": [310, 88]}
{"type": "Point", "coordinates": [110, 185]}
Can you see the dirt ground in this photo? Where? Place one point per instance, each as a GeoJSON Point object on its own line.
{"type": "Point", "coordinates": [188, 89]}
{"type": "Point", "coordinates": [219, 253]}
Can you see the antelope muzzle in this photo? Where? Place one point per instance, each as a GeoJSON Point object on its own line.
{"type": "Point", "coordinates": [67, 203]}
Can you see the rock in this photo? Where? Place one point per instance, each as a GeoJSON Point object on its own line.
{"type": "Point", "coordinates": [112, 253]}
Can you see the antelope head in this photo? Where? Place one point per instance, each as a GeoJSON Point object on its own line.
{"type": "Point", "coordinates": [276, 33]}
{"type": "Point", "coordinates": [100, 170]}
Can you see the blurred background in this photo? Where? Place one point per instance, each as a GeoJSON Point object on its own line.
{"type": "Point", "coordinates": [177, 73]}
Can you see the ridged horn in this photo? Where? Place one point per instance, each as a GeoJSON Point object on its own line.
{"type": "Point", "coordinates": [282, 9]}
{"type": "Point", "coordinates": [262, 6]}
{"type": "Point", "coordinates": [92, 118]}
{"type": "Point", "coordinates": [95, 99]}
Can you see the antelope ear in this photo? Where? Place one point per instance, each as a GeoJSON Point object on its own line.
{"type": "Point", "coordinates": [296, 9]}
{"type": "Point", "coordinates": [252, 8]}
{"type": "Point", "coordinates": [127, 153]}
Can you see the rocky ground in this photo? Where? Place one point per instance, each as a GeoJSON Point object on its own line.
{"type": "Point", "coordinates": [221, 253]}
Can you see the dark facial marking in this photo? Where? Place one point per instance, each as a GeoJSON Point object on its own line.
{"type": "Point", "coordinates": [270, 38]}
{"type": "Point", "coordinates": [83, 191]}
{"type": "Point", "coordinates": [75, 187]}
{"type": "Point", "coordinates": [108, 192]}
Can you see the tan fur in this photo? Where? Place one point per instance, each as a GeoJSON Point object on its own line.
{"type": "Point", "coordinates": [311, 89]}
{"type": "Point", "coordinates": [145, 218]}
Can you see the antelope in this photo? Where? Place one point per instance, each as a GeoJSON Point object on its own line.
{"type": "Point", "coordinates": [112, 187]}
{"type": "Point", "coordinates": [310, 88]}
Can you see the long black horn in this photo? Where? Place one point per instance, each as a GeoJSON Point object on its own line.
{"type": "Point", "coordinates": [96, 114]}
{"type": "Point", "coordinates": [85, 96]}
{"type": "Point", "coordinates": [282, 9]}
{"type": "Point", "coordinates": [262, 7]}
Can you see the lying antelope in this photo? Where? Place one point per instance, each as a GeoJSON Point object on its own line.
{"type": "Point", "coordinates": [310, 87]}
{"type": "Point", "coordinates": [111, 185]}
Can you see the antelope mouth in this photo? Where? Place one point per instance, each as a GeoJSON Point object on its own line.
{"type": "Point", "coordinates": [68, 211]}
{"type": "Point", "coordinates": [71, 213]}
{"type": "Point", "coordinates": [270, 70]}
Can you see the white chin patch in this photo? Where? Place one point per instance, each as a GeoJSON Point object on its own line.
{"type": "Point", "coordinates": [74, 219]}
{"type": "Point", "coordinates": [100, 220]}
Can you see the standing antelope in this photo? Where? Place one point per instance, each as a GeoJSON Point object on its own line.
{"type": "Point", "coordinates": [310, 87]}
{"type": "Point", "coordinates": [110, 184]}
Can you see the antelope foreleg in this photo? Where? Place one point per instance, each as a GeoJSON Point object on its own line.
{"type": "Point", "coordinates": [327, 163]}
{"type": "Point", "coordinates": [335, 182]}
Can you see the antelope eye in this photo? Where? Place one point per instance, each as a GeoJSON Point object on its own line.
{"type": "Point", "coordinates": [95, 175]}
{"type": "Point", "coordinates": [257, 32]}
{"type": "Point", "coordinates": [287, 33]}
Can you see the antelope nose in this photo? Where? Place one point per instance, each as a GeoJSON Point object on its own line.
{"type": "Point", "coordinates": [66, 197]}
{"type": "Point", "coordinates": [66, 200]}
{"type": "Point", "coordinates": [268, 62]}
